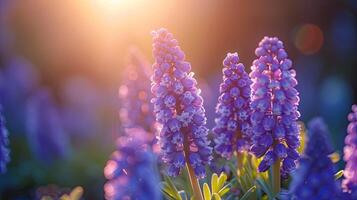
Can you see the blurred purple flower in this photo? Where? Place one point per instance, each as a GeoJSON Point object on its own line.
{"type": "Point", "coordinates": [45, 133]}
{"type": "Point", "coordinates": [233, 129]}
{"type": "Point", "coordinates": [349, 184]}
{"type": "Point", "coordinates": [178, 106]}
{"type": "Point", "coordinates": [82, 105]}
{"type": "Point", "coordinates": [314, 178]}
{"type": "Point", "coordinates": [17, 81]}
{"type": "Point", "coordinates": [4, 144]}
{"type": "Point", "coordinates": [134, 94]}
{"type": "Point", "coordinates": [131, 171]}
{"type": "Point", "coordinates": [274, 107]}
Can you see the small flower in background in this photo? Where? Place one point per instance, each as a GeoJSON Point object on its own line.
{"type": "Point", "coordinates": [274, 107]}
{"type": "Point", "coordinates": [314, 178]}
{"type": "Point", "coordinates": [53, 192]}
{"type": "Point", "coordinates": [178, 106]}
{"type": "Point", "coordinates": [45, 133]}
{"type": "Point", "coordinates": [134, 94]}
{"type": "Point", "coordinates": [18, 79]}
{"type": "Point", "coordinates": [131, 171]}
{"type": "Point", "coordinates": [349, 184]}
{"type": "Point", "coordinates": [233, 129]}
{"type": "Point", "coordinates": [4, 144]}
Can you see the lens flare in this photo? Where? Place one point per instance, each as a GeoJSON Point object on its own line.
{"type": "Point", "coordinates": [308, 39]}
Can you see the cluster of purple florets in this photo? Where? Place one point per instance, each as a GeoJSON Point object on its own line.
{"type": "Point", "coordinates": [4, 144]}
{"type": "Point", "coordinates": [131, 171]}
{"type": "Point", "coordinates": [178, 107]}
{"type": "Point", "coordinates": [134, 93]}
{"type": "Point", "coordinates": [349, 184]}
{"type": "Point", "coordinates": [274, 107]}
{"type": "Point", "coordinates": [233, 128]}
{"type": "Point", "coordinates": [314, 179]}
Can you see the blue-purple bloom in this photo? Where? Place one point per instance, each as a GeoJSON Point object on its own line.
{"type": "Point", "coordinates": [45, 133]}
{"type": "Point", "coordinates": [131, 171]}
{"type": "Point", "coordinates": [349, 184]}
{"type": "Point", "coordinates": [134, 93]}
{"type": "Point", "coordinates": [274, 107]}
{"type": "Point", "coordinates": [314, 178]}
{"type": "Point", "coordinates": [233, 129]}
{"type": "Point", "coordinates": [4, 144]}
{"type": "Point", "coordinates": [178, 107]}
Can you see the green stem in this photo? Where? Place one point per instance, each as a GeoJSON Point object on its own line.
{"type": "Point", "coordinates": [276, 177]}
{"type": "Point", "coordinates": [240, 162]}
{"type": "Point", "coordinates": [197, 194]}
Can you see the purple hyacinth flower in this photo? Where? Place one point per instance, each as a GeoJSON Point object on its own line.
{"type": "Point", "coordinates": [45, 133]}
{"type": "Point", "coordinates": [4, 144]}
{"type": "Point", "coordinates": [349, 184]}
{"type": "Point", "coordinates": [134, 93]}
{"type": "Point", "coordinates": [178, 107]}
{"type": "Point", "coordinates": [233, 129]}
{"type": "Point", "coordinates": [274, 106]}
{"type": "Point", "coordinates": [131, 171]}
{"type": "Point", "coordinates": [314, 178]}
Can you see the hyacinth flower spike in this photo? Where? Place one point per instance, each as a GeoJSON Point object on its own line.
{"type": "Point", "coordinates": [314, 178]}
{"type": "Point", "coordinates": [45, 133]}
{"type": "Point", "coordinates": [4, 144]}
{"type": "Point", "coordinates": [233, 129]}
{"type": "Point", "coordinates": [178, 107]}
{"type": "Point", "coordinates": [274, 110]}
{"type": "Point", "coordinates": [131, 171]}
{"type": "Point", "coordinates": [134, 94]}
{"type": "Point", "coordinates": [349, 184]}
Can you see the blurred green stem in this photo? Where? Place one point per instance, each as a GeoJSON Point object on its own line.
{"type": "Point", "coordinates": [194, 183]}
{"type": "Point", "coordinates": [276, 177]}
{"type": "Point", "coordinates": [240, 162]}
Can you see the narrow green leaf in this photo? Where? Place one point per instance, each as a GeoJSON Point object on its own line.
{"type": "Point", "coordinates": [216, 196]}
{"type": "Point", "coordinates": [224, 190]}
{"type": "Point", "coordinates": [221, 180]}
{"type": "Point", "coordinates": [214, 183]}
{"type": "Point", "coordinates": [172, 188]}
{"type": "Point", "coordinates": [248, 193]}
{"type": "Point", "coordinates": [265, 188]}
{"type": "Point", "coordinates": [206, 192]}
{"type": "Point", "coordinates": [339, 174]}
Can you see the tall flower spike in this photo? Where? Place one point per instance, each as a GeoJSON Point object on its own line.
{"type": "Point", "coordinates": [178, 106]}
{"type": "Point", "coordinates": [4, 144]}
{"type": "Point", "coordinates": [233, 128]}
{"type": "Point", "coordinates": [134, 93]}
{"type": "Point", "coordinates": [349, 184]}
{"type": "Point", "coordinates": [131, 171]}
{"type": "Point", "coordinates": [314, 178]}
{"type": "Point", "coordinates": [274, 107]}
{"type": "Point", "coordinates": [45, 132]}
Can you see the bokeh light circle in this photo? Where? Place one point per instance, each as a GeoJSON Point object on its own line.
{"type": "Point", "coordinates": [308, 39]}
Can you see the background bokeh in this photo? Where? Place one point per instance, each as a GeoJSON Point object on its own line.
{"type": "Point", "coordinates": [75, 52]}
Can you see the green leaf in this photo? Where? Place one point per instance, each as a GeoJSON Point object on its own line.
{"type": "Point", "coordinates": [339, 174]}
{"type": "Point", "coordinates": [224, 191]}
{"type": "Point", "coordinates": [170, 188]}
{"type": "Point", "coordinates": [265, 188]}
{"type": "Point", "coordinates": [221, 180]}
{"type": "Point", "coordinates": [248, 193]}
{"type": "Point", "coordinates": [216, 196]}
{"type": "Point", "coordinates": [206, 192]}
{"type": "Point", "coordinates": [214, 183]}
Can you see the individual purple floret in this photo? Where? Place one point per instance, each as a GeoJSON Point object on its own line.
{"type": "Point", "coordinates": [314, 178]}
{"type": "Point", "coordinates": [349, 184]}
{"type": "Point", "coordinates": [274, 107]}
{"type": "Point", "coordinates": [134, 93]}
{"type": "Point", "coordinates": [233, 129]}
{"type": "Point", "coordinates": [45, 133]}
{"type": "Point", "coordinates": [4, 144]}
{"type": "Point", "coordinates": [131, 171]}
{"type": "Point", "coordinates": [178, 106]}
